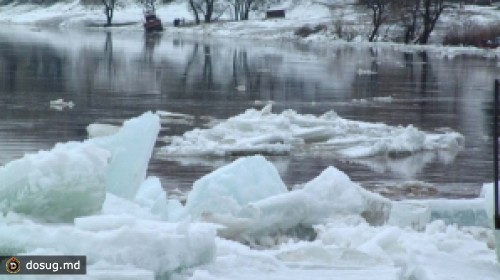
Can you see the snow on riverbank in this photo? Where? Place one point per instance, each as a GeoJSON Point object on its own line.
{"type": "Point", "coordinates": [261, 131]}
{"type": "Point", "coordinates": [331, 227]}
{"type": "Point", "coordinates": [353, 20]}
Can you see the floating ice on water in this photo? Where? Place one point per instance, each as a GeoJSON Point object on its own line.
{"type": "Point", "coordinates": [131, 148]}
{"type": "Point", "coordinates": [218, 198]}
{"type": "Point", "coordinates": [418, 213]}
{"type": "Point", "coordinates": [463, 212]}
{"type": "Point", "coordinates": [361, 100]}
{"type": "Point", "coordinates": [408, 166]}
{"type": "Point", "coordinates": [228, 189]}
{"type": "Point", "coordinates": [379, 139]}
{"type": "Point", "coordinates": [60, 184]}
{"type": "Point", "coordinates": [250, 200]}
{"type": "Point", "coordinates": [125, 229]}
{"type": "Point", "coordinates": [99, 130]}
{"type": "Point", "coordinates": [384, 99]}
{"type": "Point", "coordinates": [241, 88]}
{"type": "Point", "coordinates": [262, 132]}
{"type": "Point", "coordinates": [175, 118]}
{"type": "Point", "coordinates": [130, 236]}
{"type": "Point", "coordinates": [488, 192]}
{"type": "Point", "coordinates": [71, 179]}
{"type": "Point", "coordinates": [365, 72]}
{"type": "Point", "coordinates": [60, 104]}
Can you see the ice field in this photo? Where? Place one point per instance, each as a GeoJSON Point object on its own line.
{"type": "Point", "coordinates": [241, 221]}
{"type": "Point", "coordinates": [261, 131]}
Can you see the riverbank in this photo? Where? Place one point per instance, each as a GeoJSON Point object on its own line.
{"type": "Point", "coordinates": [343, 22]}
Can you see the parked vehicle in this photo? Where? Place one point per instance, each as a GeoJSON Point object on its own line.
{"type": "Point", "coordinates": [153, 23]}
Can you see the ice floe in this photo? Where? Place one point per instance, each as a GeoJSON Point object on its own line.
{"type": "Point", "coordinates": [167, 117]}
{"type": "Point", "coordinates": [131, 148]}
{"type": "Point", "coordinates": [99, 130]}
{"type": "Point", "coordinates": [488, 192]}
{"type": "Point", "coordinates": [60, 104]}
{"type": "Point", "coordinates": [233, 186]}
{"type": "Point", "coordinates": [366, 72]}
{"type": "Point", "coordinates": [250, 200]}
{"type": "Point", "coordinates": [103, 206]}
{"type": "Point", "coordinates": [263, 132]}
{"type": "Point", "coordinates": [60, 184]}
{"type": "Point", "coordinates": [133, 230]}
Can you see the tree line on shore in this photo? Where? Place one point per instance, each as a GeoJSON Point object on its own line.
{"type": "Point", "coordinates": [416, 18]}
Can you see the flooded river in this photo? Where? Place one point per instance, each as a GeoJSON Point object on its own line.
{"type": "Point", "coordinates": [112, 76]}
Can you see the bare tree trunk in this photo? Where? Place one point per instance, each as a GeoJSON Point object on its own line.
{"type": "Point", "coordinates": [195, 11]}
{"type": "Point", "coordinates": [432, 11]}
{"type": "Point", "coordinates": [109, 7]}
{"type": "Point", "coordinates": [209, 11]}
{"type": "Point", "coordinates": [379, 9]}
{"type": "Point", "coordinates": [245, 10]}
{"type": "Point", "coordinates": [411, 28]}
{"type": "Point", "coordinates": [376, 20]}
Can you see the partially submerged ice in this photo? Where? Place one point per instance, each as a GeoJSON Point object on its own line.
{"type": "Point", "coordinates": [71, 179]}
{"type": "Point", "coordinates": [228, 189]}
{"type": "Point", "coordinates": [57, 185]}
{"type": "Point", "coordinates": [263, 132]}
{"type": "Point", "coordinates": [250, 200]}
{"type": "Point", "coordinates": [489, 194]}
{"type": "Point", "coordinates": [111, 213]}
{"type": "Point", "coordinates": [136, 230]}
{"type": "Point", "coordinates": [402, 241]}
{"type": "Point", "coordinates": [418, 213]}
{"type": "Point", "coordinates": [250, 204]}
{"type": "Point", "coordinates": [95, 130]}
{"type": "Point", "coordinates": [131, 148]}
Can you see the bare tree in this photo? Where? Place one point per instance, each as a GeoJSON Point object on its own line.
{"type": "Point", "coordinates": [408, 13]}
{"type": "Point", "coordinates": [210, 9]}
{"type": "Point", "coordinates": [237, 5]}
{"type": "Point", "coordinates": [193, 8]}
{"type": "Point", "coordinates": [379, 10]}
{"type": "Point", "coordinates": [241, 8]}
{"type": "Point", "coordinates": [247, 6]}
{"type": "Point", "coordinates": [431, 10]}
{"type": "Point", "coordinates": [149, 5]}
{"type": "Point", "coordinates": [109, 7]}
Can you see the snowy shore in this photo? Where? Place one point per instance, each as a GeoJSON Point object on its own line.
{"type": "Point", "coordinates": [128, 15]}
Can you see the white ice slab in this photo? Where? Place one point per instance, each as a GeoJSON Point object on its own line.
{"type": "Point", "coordinates": [99, 130]}
{"type": "Point", "coordinates": [153, 197]}
{"type": "Point", "coordinates": [228, 189]}
{"type": "Point", "coordinates": [131, 148]}
{"type": "Point", "coordinates": [57, 185]}
{"type": "Point", "coordinates": [489, 194]}
{"type": "Point", "coordinates": [262, 132]}
{"type": "Point", "coordinates": [154, 246]}
{"type": "Point", "coordinates": [250, 200]}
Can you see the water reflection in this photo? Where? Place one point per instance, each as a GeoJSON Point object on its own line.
{"type": "Point", "coordinates": [111, 76]}
{"type": "Point", "coordinates": [407, 167]}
